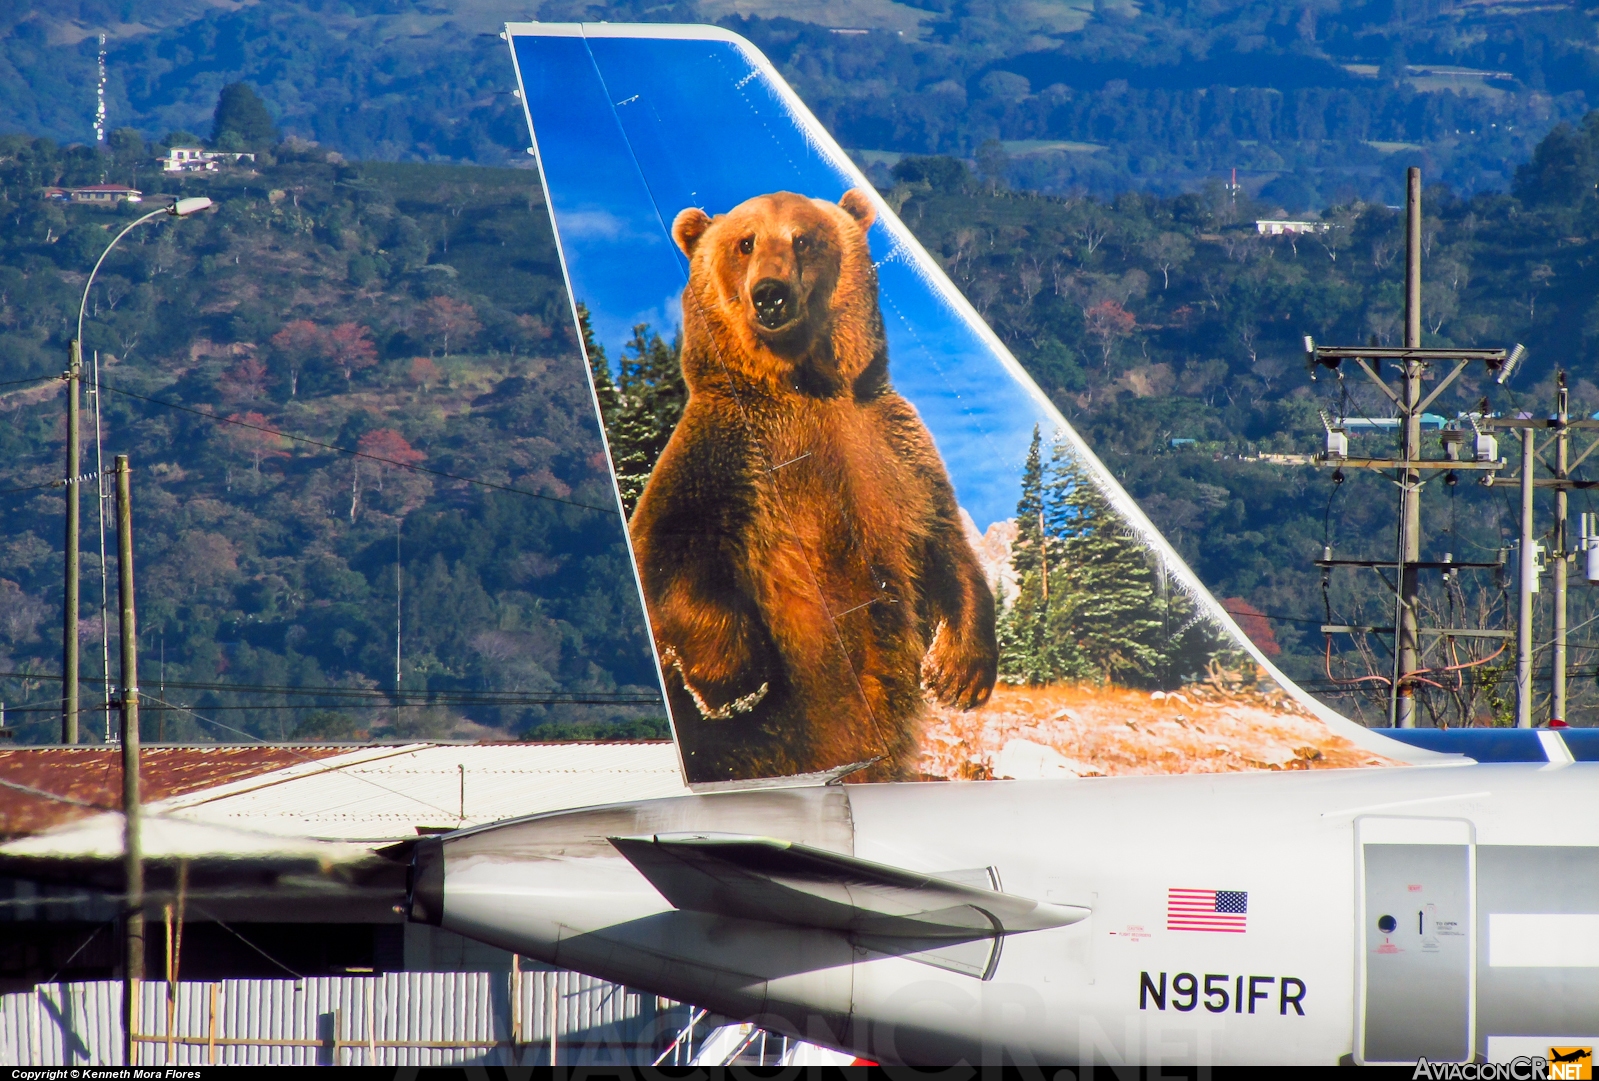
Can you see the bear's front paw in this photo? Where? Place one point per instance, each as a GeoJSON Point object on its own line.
{"type": "Point", "coordinates": [704, 697]}
{"type": "Point", "coordinates": [960, 669]}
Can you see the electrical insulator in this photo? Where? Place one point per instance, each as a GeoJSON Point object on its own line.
{"type": "Point", "coordinates": [1589, 547]}
{"type": "Point", "coordinates": [1487, 447]}
{"type": "Point", "coordinates": [1451, 441]}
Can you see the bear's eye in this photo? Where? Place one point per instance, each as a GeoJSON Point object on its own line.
{"type": "Point", "coordinates": [747, 245]}
{"type": "Point", "coordinates": [801, 243]}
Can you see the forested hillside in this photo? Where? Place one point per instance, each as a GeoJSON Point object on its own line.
{"type": "Point", "coordinates": [1169, 331]}
{"type": "Point", "coordinates": [273, 366]}
{"type": "Point", "coordinates": [1317, 102]}
{"type": "Point", "coordinates": [411, 313]}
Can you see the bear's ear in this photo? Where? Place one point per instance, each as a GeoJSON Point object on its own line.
{"type": "Point", "coordinates": [689, 226]}
{"type": "Point", "coordinates": [859, 206]}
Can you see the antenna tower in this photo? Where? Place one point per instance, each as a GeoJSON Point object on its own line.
{"type": "Point", "coordinates": [99, 112]}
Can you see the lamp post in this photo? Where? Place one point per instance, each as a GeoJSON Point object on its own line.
{"type": "Point", "coordinates": [74, 377]}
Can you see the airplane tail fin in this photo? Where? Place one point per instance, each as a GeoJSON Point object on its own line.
{"type": "Point", "coordinates": [861, 531]}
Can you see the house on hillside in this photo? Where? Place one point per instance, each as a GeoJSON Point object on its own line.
{"type": "Point", "coordinates": [94, 195]}
{"type": "Point", "coordinates": [1272, 227]}
{"type": "Point", "coordinates": [196, 159]}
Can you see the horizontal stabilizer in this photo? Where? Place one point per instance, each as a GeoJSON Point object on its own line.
{"type": "Point", "coordinates": [760, 878]}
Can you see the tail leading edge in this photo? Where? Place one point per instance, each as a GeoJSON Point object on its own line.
{"type": "Point", "coordinates": [860, 530]}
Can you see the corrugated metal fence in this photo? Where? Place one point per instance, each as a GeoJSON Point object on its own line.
{"type": "Point", "coordinates": [400, 1018]}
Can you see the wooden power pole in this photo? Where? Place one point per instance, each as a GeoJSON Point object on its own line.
{"type": "Point", "coordinates": [1408, 653]}
{"type": "Point", "coordinates": [1410, 467]}
{"type": "Point", "coordinates": [132, 849]}
{"type": "Point", "coordinates": [1561, 546]}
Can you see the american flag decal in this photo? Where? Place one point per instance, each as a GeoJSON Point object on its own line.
{"type": "Point", "coordinates": [1206, 910]}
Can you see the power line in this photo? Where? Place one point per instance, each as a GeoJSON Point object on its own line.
{"type": "Point", "coordinates": [32, 487]}
{"type": "Point", "coordinates": [356, 453]}
{"type": "Point", "coordinates": [389, 698]}
{"type": "Point", "coordinates": [30, 379]}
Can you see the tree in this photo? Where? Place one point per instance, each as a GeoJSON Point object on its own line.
{"type": "Point", "coordinates": [1107, 323]}
{"type": "Point", "coordinates": [1105, 624]}
{"type": "Point", "coordinates": [992, 160]}
{"type": "Point", "coordinates": [1090, 606]}
{"type": "Point", "coordinates": [650, 396]}
{"type": "Point", "coordinates": [241, 118]}
{"type": "Point", "coordinates": [424, 373]}
{"type": "Point", "coordinates": [20, 613]}
{"type": "Point", "coordinates": [442, 319]}
{"type": "Point", "coordinates": [251, 441]}
{"type": "Point", "coordinates": [390, 448]}
{"type": "Point", "coordinates": [599, 368]}
{"type": "Point", "coordinates": [297, 344]}
{"type": "Point", "coordinates": [640, 405]}
{"type": "Point", "coordinates": [1166, 252]}
{"type": "Point", "coordinates": [245, 381]}
{"type": "Point", "coordinates": [1252, 621]}
{"type": "Point", "coordinates": [349, 346]}
{"type": "Point", "coordinates": [1023, 649]}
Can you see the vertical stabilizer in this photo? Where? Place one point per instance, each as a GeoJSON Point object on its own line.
{"type": "Point", "coordinates": [861, 531]}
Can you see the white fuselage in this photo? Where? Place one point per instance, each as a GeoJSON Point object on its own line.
{"type": "Point", "coordinates": [1319, 857]}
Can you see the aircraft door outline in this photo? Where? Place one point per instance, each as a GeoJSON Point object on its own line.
{"type": "Point", "coordinates": [1415, 940]}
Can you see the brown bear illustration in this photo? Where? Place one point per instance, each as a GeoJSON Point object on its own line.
{"type": "Point", "coordinates": [799, 541]}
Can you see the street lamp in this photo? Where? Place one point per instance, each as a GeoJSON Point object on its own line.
{"type": "Point", "coordinates": [74, 376]}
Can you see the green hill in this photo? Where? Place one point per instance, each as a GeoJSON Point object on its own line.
{"type": "Point", "coordinates": [1314, 103]}
{"type": "Point", "coordinates": [411, 312]}
{"type": "Point", "coordinates": [414, 313]}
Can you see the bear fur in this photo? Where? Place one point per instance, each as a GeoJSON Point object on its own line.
{"type": "Point", "coordinates": [799, 543]}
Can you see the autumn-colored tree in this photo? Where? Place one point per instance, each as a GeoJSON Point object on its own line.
{"type": "Point", "coordinates": [390, 448]}
{"type": "Point", "coordinates": [531, 331]}
{"type": "Point", "coordinates": [245, 381]}
{"type": "Point", "coordinates": [424, 373]}
{"type": "Point", "coordinates": [246, 436]}
{"type": "Point", "coordinates": [1108, 322]}
{"type": "Point", "coordinates": [1252, 621]}
{"type": "Point", "coordinates": [350, 347]}
{"type": "Point", "coordinates": [445, 320]}
{"type": "Point", "coordinates": [297, 344]}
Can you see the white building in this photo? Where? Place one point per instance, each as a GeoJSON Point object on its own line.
{"type": "Point", "coordinates": [1273, 227]}
{"type": "Point", "coordinates": [196, 159]}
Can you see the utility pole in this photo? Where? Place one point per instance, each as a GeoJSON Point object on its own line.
{"type": "Point", "coordinates": [132, 850]}
{"type": "Point", "coordinates": [1408, 652]}
{"type": "Point", "coordinates": [1557, 709]}
{"type": "Point", "coordinates": [1526, 584]}
{"type": "Point", "coordinates": [1410, 403]}
{"type": "Point", "coordinates": [69, 607]}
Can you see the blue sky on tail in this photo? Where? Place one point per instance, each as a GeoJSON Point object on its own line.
{"type": "Point", "coordinates": [632, 130]}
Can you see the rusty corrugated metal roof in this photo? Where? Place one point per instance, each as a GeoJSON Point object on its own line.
{"type": "Point", "coordinates": [89, 779]}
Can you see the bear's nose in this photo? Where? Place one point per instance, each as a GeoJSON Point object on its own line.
{"type": "Point", "coordinates": [773, 302]}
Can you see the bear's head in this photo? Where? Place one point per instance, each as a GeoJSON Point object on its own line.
{"type": "Point", "coordinates": [790, 280]}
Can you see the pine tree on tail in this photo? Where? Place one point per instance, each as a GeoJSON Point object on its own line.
{"type": "Point", "coordinates": [1115, 618]}
{"type": "Point", "coordinates": [640, 405]}
{"type": "Point", "coordinates": [1105, 623]}
{"type": "Point", "coordinates": [650, 400]}
{"type": "Point", "coordinates": [1023, 647]}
